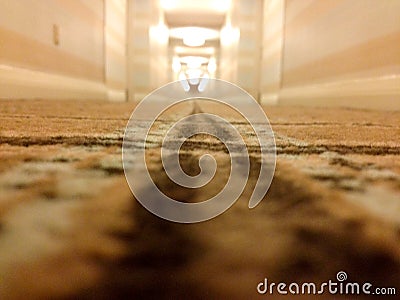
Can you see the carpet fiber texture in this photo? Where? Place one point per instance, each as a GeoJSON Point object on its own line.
{"type": "Point", "coordinates": [70, 226]}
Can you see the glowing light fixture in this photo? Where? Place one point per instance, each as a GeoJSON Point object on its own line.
{"type": "Point", "coordinates": [194, 73]}
{"type": "Point", "coordinates": [218, 6]}
{"type": "Point", "coordinates": [194, 41]}
{"type": "Point", "coordinates": [194, 62]}
{"type": "Point", "coordinates": [184, 82]}
{"type": "Point", "coordinates": [222, 5]}
{"type": "Point", "coordinates": [229, 35]}
{"type": "Point", "coordinates": [207, 51]}
{"type": "Point", "coordinates": [212, 65]}
{"type": "Point", "coordinates": [194, 36]}
{"type": "Point", "coordinates": [176, 65]}
{"type": "Point", "coordinates": [168, 4]}
{"type": "Point", "coordinates": [159, 33]}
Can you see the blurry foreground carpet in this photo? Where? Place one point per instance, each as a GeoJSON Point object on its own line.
{"type": "Point", "coordinates": [70, 227]}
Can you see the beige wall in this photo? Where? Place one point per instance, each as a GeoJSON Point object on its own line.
{"type": "Point", "coordinates": [332, 52]}
{"type": "Point", "coordinates": [147, 48]}
{"type": "Point", "coordinates": [248, 16]}
{"type": "Point", "coordinates": [306, 52]}
{"type": "Point", "coordinates": [272, 51]}
{"type": "Point", "coordinates": [229, 49]}
{"type": "Point", "coordinates": [61, 48]}
{"type": "Point", "coordinates": [115, 28]}
{"type": "Point", "coordinates": [240, 60]}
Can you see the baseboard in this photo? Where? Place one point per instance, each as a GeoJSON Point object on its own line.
{"type": "Point", "coordinates": [269, 98]}
{"type": "Point", "coordinates": [18, 83]}
{"type": "Point", "coordinates": [372, 93]}
{"type": "Point", "coordinates": [137, 97]}
{"type": "Point", "coordinates": [116, 95]}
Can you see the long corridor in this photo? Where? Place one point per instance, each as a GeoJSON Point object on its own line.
{"type": "Point", "coordinates": [293, 106]}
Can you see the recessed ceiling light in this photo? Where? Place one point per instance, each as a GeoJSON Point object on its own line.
{"type": "Point", "coordinates": [222, 5]}
{"type": "Point", "coordinates": [208, 51]}
{"type": "Point", "coordinates": [194, 62]}
{"type": "Point", "coordinates": [217, 6]}
{"type": "Point", "coordinates": [194, 73]}
{"type": "Point", "coordinates": [194, 41]}
{"type": "Point", "coordinates": [194, 36]}
{"type": "Point", "coordinates": [168, 4]}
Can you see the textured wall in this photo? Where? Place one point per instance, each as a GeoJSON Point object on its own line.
{"type": "Point", "coordinates": [332, 52]}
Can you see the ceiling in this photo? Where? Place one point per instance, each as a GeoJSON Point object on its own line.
{"type": "Point", "coordinates": [205, 13]}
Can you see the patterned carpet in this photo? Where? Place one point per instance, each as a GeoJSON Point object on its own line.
{"type": "Point", "coordinates": [70, 227]}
